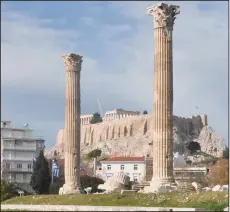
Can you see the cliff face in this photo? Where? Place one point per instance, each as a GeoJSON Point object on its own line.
{"type": "Point", "coordinates": [132, 136]}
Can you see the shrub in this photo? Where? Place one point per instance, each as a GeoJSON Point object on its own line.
{"type": "Point", "coordinates": [188, 162]}
{"type": "Point", "coordinates": [96, 118]}
{"type": "Point", "coordinates": [54, 188]}
{"type": "Point", "coordinates": [102, 157]}
{"type": "Point", "coordinates": [86, 181]}
{"type": "Point", "coordinates": [7, 190]}
{"type": "Point", "coordinates": [94, 153]}
{"type": "Point", "coordinates": [193, 147]}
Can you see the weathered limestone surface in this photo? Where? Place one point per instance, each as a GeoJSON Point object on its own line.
{"type": "Point", "coordinates": [163, 19]}
{"type": "Point", "coordinates": [72, 125]}
{"type": "Point", "coordinates": [134, 141]}
{"type": "Point", "coordinates": [115, 183]}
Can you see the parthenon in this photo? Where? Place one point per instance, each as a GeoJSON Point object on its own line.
{"type": "Point", "coordinates": [119, 114]}
{"type": "Point", "coordinates": [110, 115]}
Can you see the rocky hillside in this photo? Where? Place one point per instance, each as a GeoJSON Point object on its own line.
{"type": "Point", "coordinates": [132, 136]}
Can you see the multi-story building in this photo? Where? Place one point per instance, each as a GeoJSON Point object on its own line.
{"type": "Point", "coordinates": [18, 150]}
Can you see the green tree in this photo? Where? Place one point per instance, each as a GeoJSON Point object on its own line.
{"type": "Point", "coordinates": [226, 153]}
{"type": "Point", "coordinates": [193, 147]}
{"type": "Point", "coordinates": [96, 118]}
{"type": "Point", "coordinates": [93, 154]}
{"type": "Point", "coordinates": [7, 190]}
{"type": "Point", "coordinates": [145, 112]}
{"type": "Point", "coordinates": [41, 179]}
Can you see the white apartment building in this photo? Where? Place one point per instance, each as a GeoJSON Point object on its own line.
{"type": "Point", "coordinates": [134, 167]}
{"type": "Point", "coordinates": [18, 149]}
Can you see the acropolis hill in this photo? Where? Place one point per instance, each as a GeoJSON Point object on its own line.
{"type": "Point", "coordinates": [128, 133]}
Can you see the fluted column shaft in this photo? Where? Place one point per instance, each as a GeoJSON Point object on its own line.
{"type": "Point", "coordinates": [163, 108]}
{"type": "Point", "coordinates": [163, 19]}
{"type": "Point", "coordinates": [72, 123]}
{"type": "Point", "coordinates": [72, 128]}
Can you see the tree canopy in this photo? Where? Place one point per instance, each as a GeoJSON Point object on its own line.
{"type": "Point", "coordinates": [96, 118]}
{"type": "Point", "coordinates": [41, 179]}
{"type": "Point", "coordinates": [145, 112]}
{"type": "Point", "coordinates": [94, 153]}
{"type": "Point", "coordinates": [193, 147]}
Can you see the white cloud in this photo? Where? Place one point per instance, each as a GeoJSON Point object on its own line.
{"type": "Point", "coordinates": [32, 49]}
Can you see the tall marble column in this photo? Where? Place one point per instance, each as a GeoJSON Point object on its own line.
{"type": "Point", "coordinates": [163, 19]}
{"type": "Point", "coordinates": [72, 124]}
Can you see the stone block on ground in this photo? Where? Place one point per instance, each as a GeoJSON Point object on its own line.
{"type": "Point", "coordinates": [186, 187]}
{"type": "Point", "coordinates": [224, 188]}
{"type": "Point", "coordinates": [65, 190]}
{"type": "Point", "coordinates": [61, 191]}
{"type": "Point", "coordinates": [115, 183]}
{"type": "Point", "coordinates": [88, 190]}
{"type": "Point", "coordinates": [206, 189]}
{"type": "Point", "coordinates": [197, 186]}
{"type": "Point", "coordinates": [159, 188]}
{"type": "Point", "coordinates": [216, 188]}
{"type": "Point", "coordinates": [128, 191]}
{"type": "Point", "coordinates": [226, 209]}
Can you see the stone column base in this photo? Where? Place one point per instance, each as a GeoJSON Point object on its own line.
{"type": "Point", "coordinates": [68, 190]}
{"type": "Point", "coordinates": [161, 185]}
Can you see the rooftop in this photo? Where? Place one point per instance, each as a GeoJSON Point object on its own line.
{"type": "Point", "coordinates": [125, 159]}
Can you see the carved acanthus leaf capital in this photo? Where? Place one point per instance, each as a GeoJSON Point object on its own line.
{"type": "Point", "coordinates": [72, 62]}
{"type": "Point", "coordinates": [164, 15]}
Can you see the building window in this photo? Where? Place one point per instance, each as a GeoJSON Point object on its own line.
{"type": "Point", "coordinates": [40, 145]}
{"type": "Point", "coordinates": [29, 166]}
{"type": "Point", "coordinates": [19, 166]}
{"type": "Point", "coordinates": [24, 177]}
{"type": "Point", "coordinates": [135, 167]}
{"type": "Point", "coordinates": [8, 165]}
{"type": "Point", "coordinates": [135, 179]}
{"type": "Point", "coordinates": [18, 142]}
{"type": "Point", "coordinates": [108, 167]}
{"type": "Point", "coordinates": [122, 167]}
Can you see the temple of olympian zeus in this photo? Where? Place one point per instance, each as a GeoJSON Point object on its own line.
{"type": "Point", "coordinates": [163, 19]}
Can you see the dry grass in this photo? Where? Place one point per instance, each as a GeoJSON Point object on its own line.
{"type": "Point", "coordinates": [218, 173]}
{"type": "Point", "coordinates": [208, 200]}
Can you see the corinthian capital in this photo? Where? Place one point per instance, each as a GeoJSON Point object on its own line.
{"type": "Point", "coordinates": [72, 62]}
{"type": "Point", "coordinates": [163, 15]}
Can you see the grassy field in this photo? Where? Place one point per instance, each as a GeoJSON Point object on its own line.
{"type": "Point", "coordinates": [208, 200]}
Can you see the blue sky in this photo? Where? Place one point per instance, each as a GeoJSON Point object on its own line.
{"type": "Point", "coordinates": [116, 41]}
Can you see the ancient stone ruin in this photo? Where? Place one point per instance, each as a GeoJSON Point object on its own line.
{"type": "Point", "coordinates": [157, 135]}
{"type": "Point", "coordinates": [115, 183]}
{"type": "Point", "coordinates": [136, 131]}
{"type": "Point", "coordinates": [72, 125]}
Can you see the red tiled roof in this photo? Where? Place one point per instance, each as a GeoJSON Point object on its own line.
{"type": "Point", "coordinates": [126, 159]}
